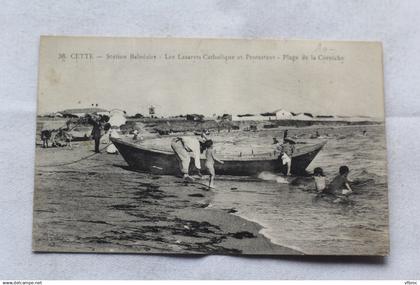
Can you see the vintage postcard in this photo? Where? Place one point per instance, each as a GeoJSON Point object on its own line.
{"type": "Point", "coordinates": [210, 146]}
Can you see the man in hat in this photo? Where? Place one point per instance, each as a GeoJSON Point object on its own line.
{"type": "Point", "coordinates": [96, 130]}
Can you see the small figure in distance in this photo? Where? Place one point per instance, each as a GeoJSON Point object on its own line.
{"type": "Point", "coordinates": [135, 135]}
{"type": "Point", "coordinates": [45, 137]}
{"type": "Point", "coordinates": [277, 144]}
{"type": "Point", "coordinates": [285, 134]}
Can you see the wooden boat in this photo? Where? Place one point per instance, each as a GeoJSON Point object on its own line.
{"type": "Point", "coordinates": [145, 159]}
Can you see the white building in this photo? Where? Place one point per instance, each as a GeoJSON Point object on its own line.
{"type": "Point", "coordinates": [302, 117]}
{"type": "Point", "coordinates": [282, 114]}
{"type": "Point", "coordinates": [80, 112]}
{"type": "Point", "coordinates": [279, 114]}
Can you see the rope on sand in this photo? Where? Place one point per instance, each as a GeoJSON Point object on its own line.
{"type": "Point", "coordinates": [75, 161]}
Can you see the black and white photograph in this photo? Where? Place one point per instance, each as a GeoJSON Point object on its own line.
{"type": "Point", "coordinates": [210, 146]}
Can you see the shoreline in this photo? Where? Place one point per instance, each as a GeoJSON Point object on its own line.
{"type": "Point", "coordinates": [263, 232]}
{"type": "Point", "coordinates": [98, 205]}
{"type": "Point", "coordinates": [114, 209]}
{"type": "Point", "coordinates": [246, 242]}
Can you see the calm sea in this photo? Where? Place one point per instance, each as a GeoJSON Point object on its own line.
{"type": "Point", "coordinates": [298, 219]}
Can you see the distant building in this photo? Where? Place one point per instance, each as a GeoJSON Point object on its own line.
{"type": "Point", "coordinates": [55, 115]}
{"type": "Point", "coordinates": [302, 117]}
{"type": "Point", "coordinates": [248, 117]}
{"type": "Point", "coordinates": [83, 111]}
{"type": "Point", "coordinates": [279, 114]}
{"type": "Point", "coordinates": [195, 117]}
{"type": "Point", "coordinates": [268, 114]}
{"type": "Point", "coordinates": [137, 116]}
{"type": "Point", "coordinates": [325, 117]}
{"type": "Point", "coordinates": [226, 117]}
{"type": "Point", "coordinates": [282, 114]}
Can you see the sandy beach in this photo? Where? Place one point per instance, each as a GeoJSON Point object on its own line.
{"type": "Point", "coordinates": [97, 204]}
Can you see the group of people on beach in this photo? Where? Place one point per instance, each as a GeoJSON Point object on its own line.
{"type": "Point", "coordinates": [60, 137]}
{"type": "Point", "coordinates": [339, 185]}
{"type": "Point", "coordinates": [193, 146]}
{"type": "Point", "coordinates": [187, 147]}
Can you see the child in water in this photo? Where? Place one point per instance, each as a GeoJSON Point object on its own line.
{"type": "Point", "coordinates": [287, 150]}
{"type": "Point", "coordinates": [320, 181]}
{"type": "Point", "coordinates": [341, 182]}
{"type": "Point", "coordinates": [210, 159]}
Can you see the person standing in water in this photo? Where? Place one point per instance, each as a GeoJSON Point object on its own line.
{"type": "Point", "coordinates": [320, 180]}
{"type": "Point", "coordinates": [341, 183]}
{"type": "Point", "coordinates": [210, 159]}
{"type": "Point", "coordinates": [286, 150]}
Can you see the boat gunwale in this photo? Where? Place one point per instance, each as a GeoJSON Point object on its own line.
{"type": "Point", "coordinates": [300, 151]}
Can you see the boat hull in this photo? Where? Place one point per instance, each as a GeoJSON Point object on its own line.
{"type": "Point", "coordinates": [162, 162]}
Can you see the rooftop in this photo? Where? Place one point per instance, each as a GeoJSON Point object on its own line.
{"type": "Point", "coordinates": [84, 110]}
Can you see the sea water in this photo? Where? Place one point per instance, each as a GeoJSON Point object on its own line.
{"type": "Point", "coordinates": [294, 217]}
{"type": "Point", "coordinates": [300, 219]}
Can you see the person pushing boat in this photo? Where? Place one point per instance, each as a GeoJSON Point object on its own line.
{"type": "Point", "coordinates": [185, 148]}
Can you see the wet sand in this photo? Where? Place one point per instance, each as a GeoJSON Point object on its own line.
{"type": "Point", "coordinates": [99, 205]}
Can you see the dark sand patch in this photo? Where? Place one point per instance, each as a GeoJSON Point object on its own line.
{"type": "Point", "coordinates": [95, 206]}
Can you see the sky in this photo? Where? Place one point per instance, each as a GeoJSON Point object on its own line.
{"type": "Point", "coordinates": [181, 76]}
